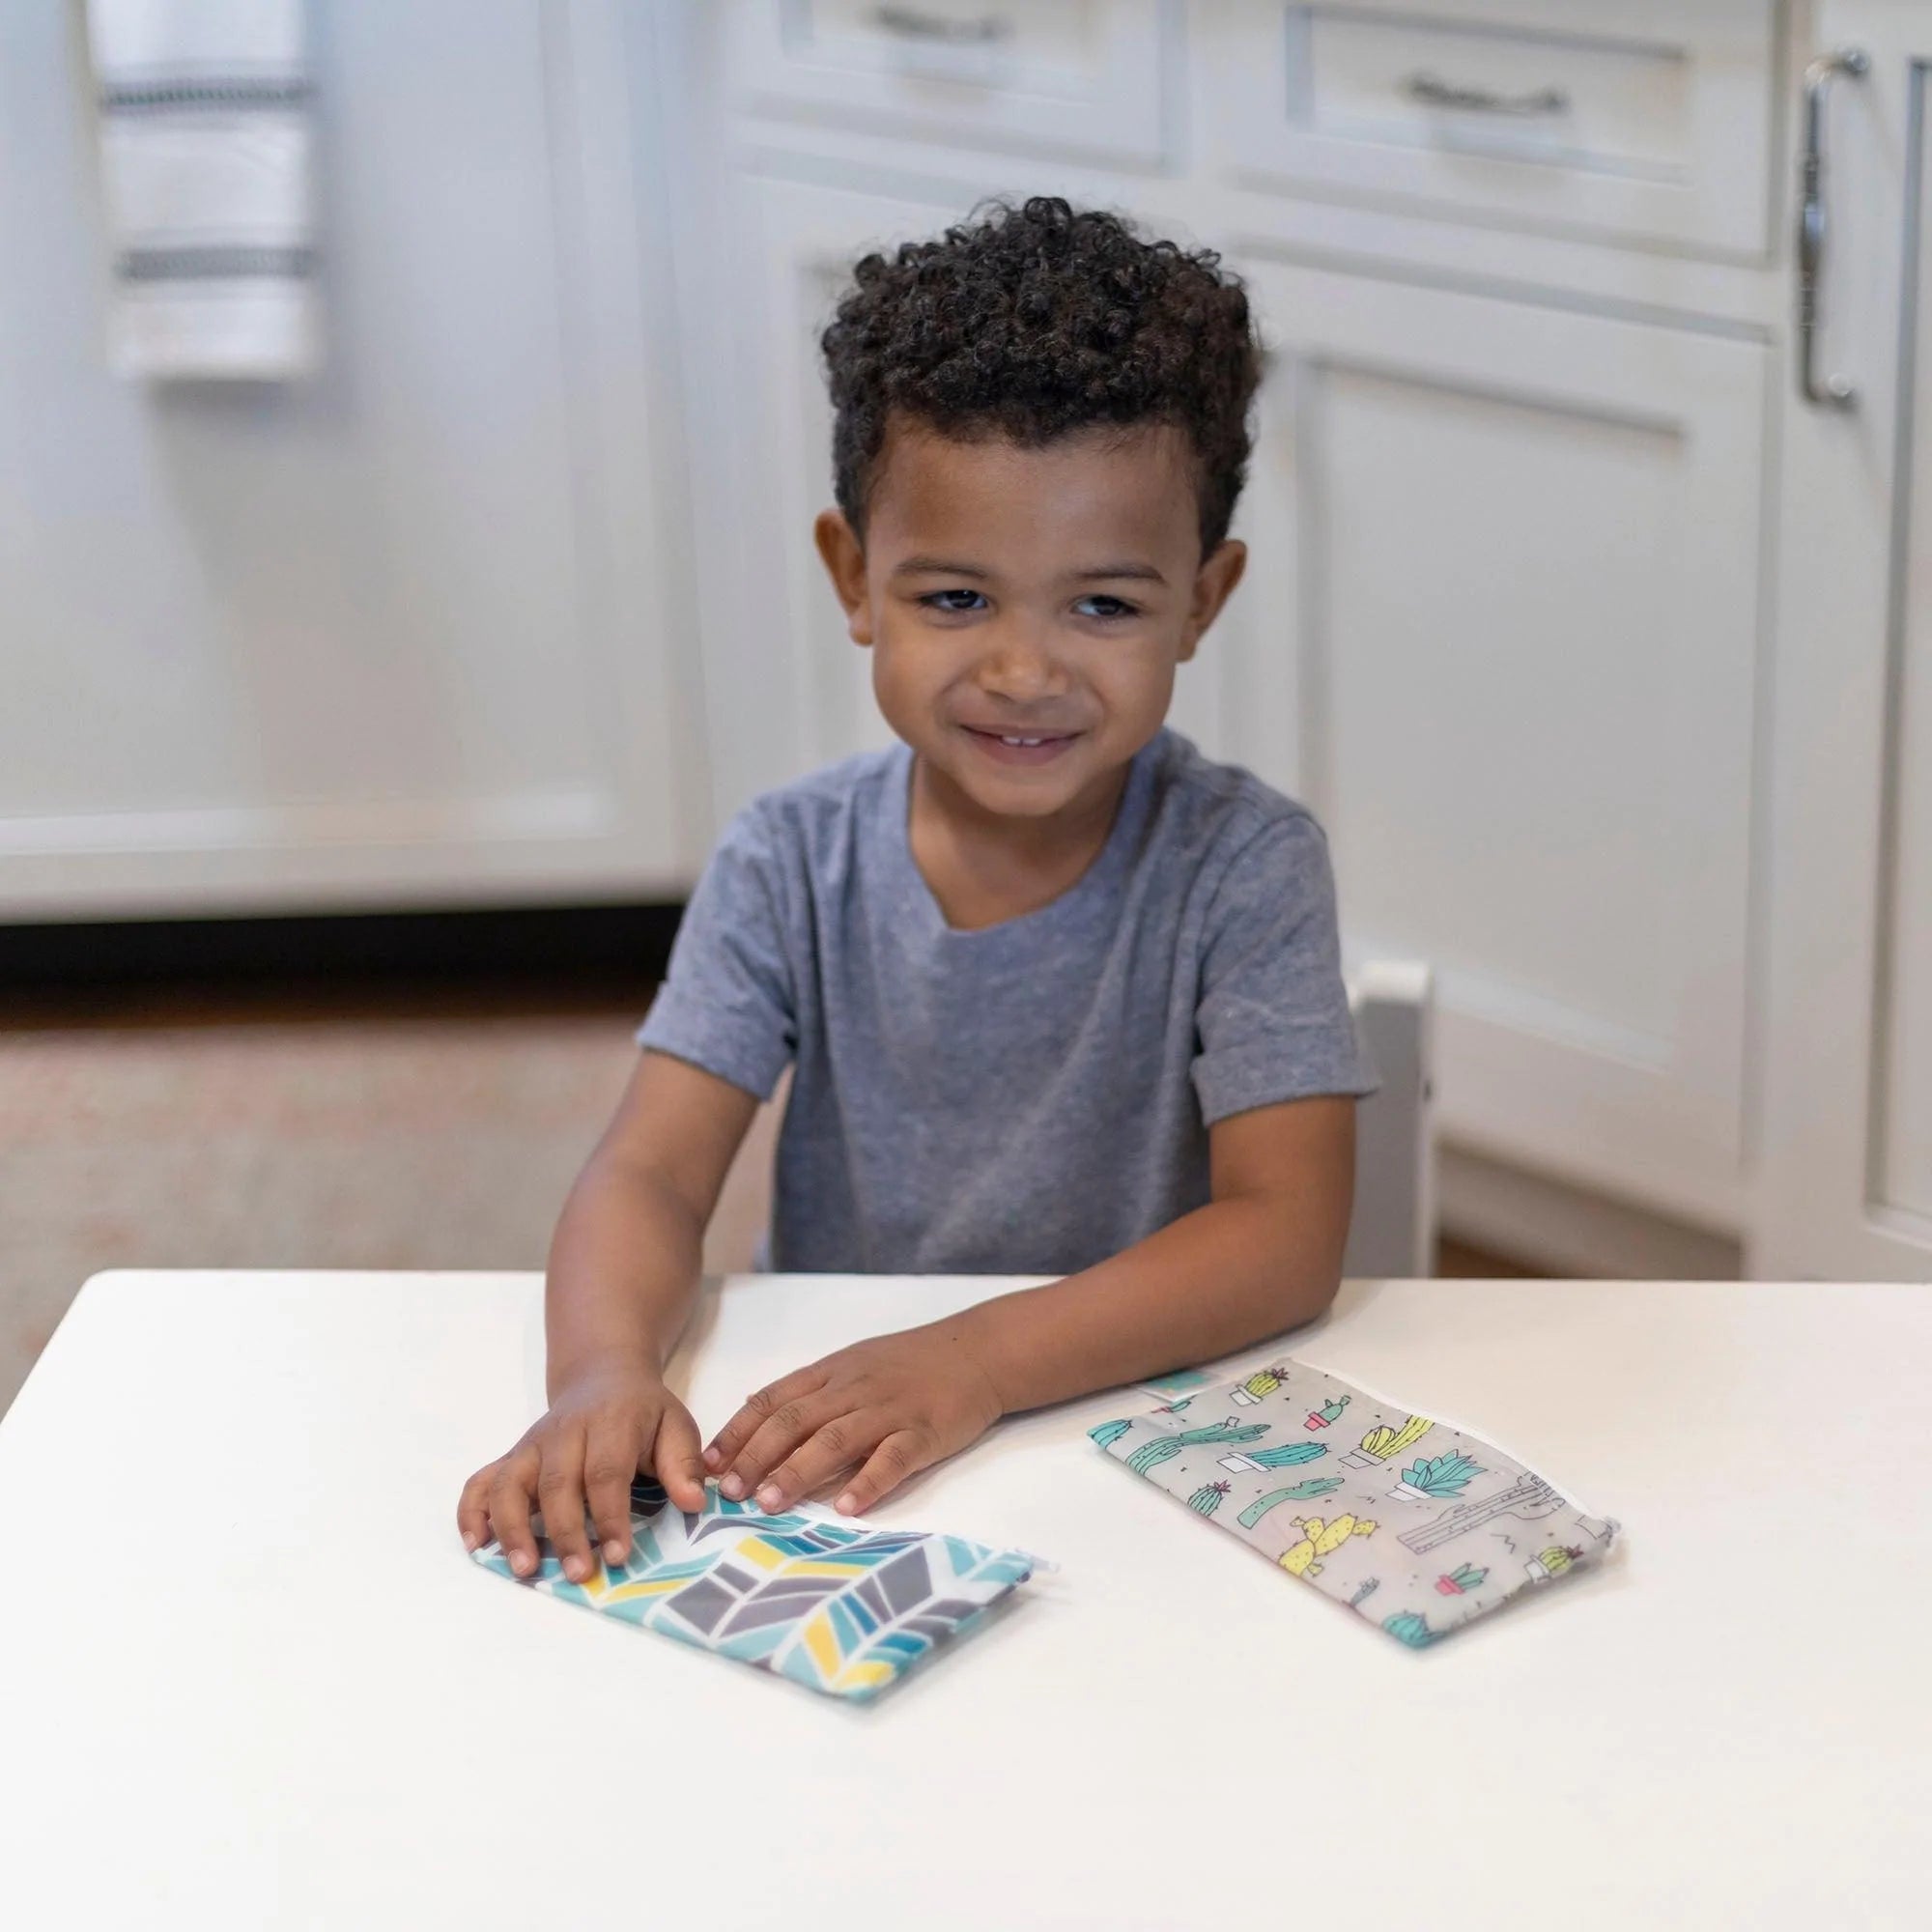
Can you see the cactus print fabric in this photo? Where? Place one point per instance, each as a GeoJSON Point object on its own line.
{"type": "Point", "coordinates": [806, 1595]}
{"type": "Point", "coordinates": [1412, 1522]}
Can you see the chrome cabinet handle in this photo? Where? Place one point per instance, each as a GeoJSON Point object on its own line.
{"type": "Point", "coordinates": [1834, 391]}
{"type": "Point", "coordinates": [1439, 93]}
{"type": "Point", "coordinates": [915, 25]}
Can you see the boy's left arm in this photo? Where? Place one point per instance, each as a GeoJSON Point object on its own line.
{"type": "Point", "coordinates": [1264, 1255]}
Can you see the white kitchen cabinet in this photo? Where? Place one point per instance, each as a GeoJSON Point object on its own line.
{"type": "Point", "coordinates": [1505, 625]}
{"type": "Point", "coordinates": [413, 631]}
{"type": "Point", "coordinates": [1847, 1169]}
{"type": "Point", "coordinates": [1502, 636]}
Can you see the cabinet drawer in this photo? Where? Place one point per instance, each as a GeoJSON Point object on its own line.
{"type": "Point", "coordinates": [1650, 121]}
{"type": "Point", "coordinates": [1076, 77]}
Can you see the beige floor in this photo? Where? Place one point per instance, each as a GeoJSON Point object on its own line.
{"type": "Point", "coordinates": [414, 1130]}
{"type": "Point", "coordinates": [313, 1129]}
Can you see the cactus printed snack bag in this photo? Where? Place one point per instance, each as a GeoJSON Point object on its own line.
{"type": "Point", "coordinates": [1414, 1524]}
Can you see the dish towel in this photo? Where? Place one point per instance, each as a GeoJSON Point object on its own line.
{"type": "Point", "coordinates": [205, 161]}
{"type": "Point", "coordinates": [1415, 1524]}
{"type": "Point", "coordinates": [804, 1593]}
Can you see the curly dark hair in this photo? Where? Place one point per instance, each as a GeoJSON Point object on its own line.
{"type": "Point", "coordinates": [1037, 322]}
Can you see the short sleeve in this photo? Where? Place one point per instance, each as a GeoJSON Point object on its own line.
{"type": "Point", "coordinates": [728, 1002]}
{"type": "Point", "coordinates": [1272, 1020]}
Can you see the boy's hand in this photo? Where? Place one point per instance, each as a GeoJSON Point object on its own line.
{"type": "Point", "coordinates": [884, 1407]}
{"type": "Point", "coordinates": [603, 1427]}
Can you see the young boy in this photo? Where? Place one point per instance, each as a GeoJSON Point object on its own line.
{"type": "Point", "coordinates": [1060, 995]}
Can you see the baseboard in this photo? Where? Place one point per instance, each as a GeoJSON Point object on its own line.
{"type": "Point", "coordinates": [561, 943]}
{"type": "Point", "coordinates": [1568, 1231]}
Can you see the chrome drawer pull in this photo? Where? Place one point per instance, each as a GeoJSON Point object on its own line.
{"type": "Point", "coordinates": [915, 25]}
{"type": "Point", "coordinates": [1436, 91]}
{"type": "Point", "coordinates": [1834, 391]}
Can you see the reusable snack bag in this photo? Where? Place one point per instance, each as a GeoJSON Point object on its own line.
{"type": "Point", "coordinates": [803, 1594]}
{"type": "Point", "coordinates": [1416, 1524]}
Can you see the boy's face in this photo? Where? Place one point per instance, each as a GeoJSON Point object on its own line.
{"type": "Point", "coordinates": [1034, 594]}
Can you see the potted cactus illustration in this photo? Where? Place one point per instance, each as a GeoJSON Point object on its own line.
{"type": "Point", "coordinates": [1263, 1381]}
{"type": "Point", "coordinates": [1406, 1627]}
{"type": "Point", "coordinates": [1298, 1493]}
{"type": "Point", "coordinates": [1329, 1412]}
{"type": "Point", "coordinates": [1105, 1432]}
{"type": "Point", "coordinates": [1150, 1454]}
{"type": "Point", "coordinates": [1436, 1476]}
{"type": "Point", "coordinates": [1207, 1498]}
{"type": "Point", "coordinates": [1464, 1576]}
{"type": "Point", "coordinates": [1551, 1562]}
{"type": "Point", "coordinates": [1174, 1407]}
{"type": "Point", "coordinates": [1379, 1444]}
{"type": "Point", "coordinates": [1282, 1456]}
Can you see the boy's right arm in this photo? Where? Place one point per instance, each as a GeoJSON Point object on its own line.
{"type": "Point", "coordinates": [624, 1267]}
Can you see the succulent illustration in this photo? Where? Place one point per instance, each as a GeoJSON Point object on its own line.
{"type": "Point", "coordinates": [1285, 1455]}
{"type": "Point", "coordinates": [1298, 1493]}
{"type": "Point", "coordinates": [1329, 1412]}
{"type": "Point", "coordinates": [1174, 1407]}
{"type": "Point", "coordinates": [1369, 1586]}
{"type": "Point", "coordinates": [1105, 1432]}
{"type": "Point", "coordinates": [1407, 1627]}
{"type": "Point", "coordinates": [1149, 1454]}
{"type": "Point", "coordinates": [1207, 1498]}
{"type": "Point", "coordinates": [1464, 1576]}
{"type": "Point", "coordinates": [1263, 1381]}
{"type": "Point", "coordinates": [1445, 1475]}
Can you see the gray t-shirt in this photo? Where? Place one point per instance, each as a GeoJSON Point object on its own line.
{"type": "Point", "coordinates": [1036, 1095]}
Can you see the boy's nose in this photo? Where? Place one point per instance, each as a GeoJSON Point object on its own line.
{"type": "Point", "coordinates": [1018, 664]}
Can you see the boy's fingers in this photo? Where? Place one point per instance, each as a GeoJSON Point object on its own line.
{"type": "Point", "coordinates": [777, 1437]}
{"type": "Point", "coordinates": [675, 1460]}
{"type": "Point", "coordinates": [560, 1492]}
{"type": "Point", "coordinates": [896, 1458]}
{"type": "Point", "coordinates": [609, 1464]}
{"type": "Point", "coordinates": [509, 1503]}
{"type": "Point", "coordinates": [843, 1443]}
{"type": "Point", "coordinates": [756, 1410]}
{"type": "Point", "coordinates": [472, 1509]}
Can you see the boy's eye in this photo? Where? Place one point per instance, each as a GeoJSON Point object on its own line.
{"type": "Point", "coordinates": [1121, 608]}
{"type": "Point", "coordinates": [1115, 608]}
{"type": "Point", "coordinates": [929, 600]}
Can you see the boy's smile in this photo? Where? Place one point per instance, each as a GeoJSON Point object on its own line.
{"type": "Point", "coordinates": [1026, 608]}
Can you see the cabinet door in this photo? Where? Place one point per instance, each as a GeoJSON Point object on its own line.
{"type": "Point", "coordinates": [774, 631]}
{"type": "Point", "coordinates": [404, 632]}
{"type": "Point", "coordinates": [1848, 1090]}
{"type": "Point", "coordinates": [1500, 632]}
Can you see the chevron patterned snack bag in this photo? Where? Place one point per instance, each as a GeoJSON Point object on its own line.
{"type": "Point", "coordinates": [805, 1595]}
{"type": "Point", "coordinates": [1412, 1522]}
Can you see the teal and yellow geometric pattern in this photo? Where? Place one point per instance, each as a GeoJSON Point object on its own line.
{"type": "Point", "coordinates": [844, 1609]}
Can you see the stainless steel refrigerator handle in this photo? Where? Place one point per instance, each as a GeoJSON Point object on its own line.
{"type": "Point", "coordinates": [1834, 391]}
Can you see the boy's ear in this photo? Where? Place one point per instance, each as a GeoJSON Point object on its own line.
{"type": "Point", "coordinates": [1213, 582]}
{"type": "Point", "coordinates": [845, 565]}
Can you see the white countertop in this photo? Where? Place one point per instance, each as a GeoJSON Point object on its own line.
{"type": "Point", "coordinates": [248, 1677]}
